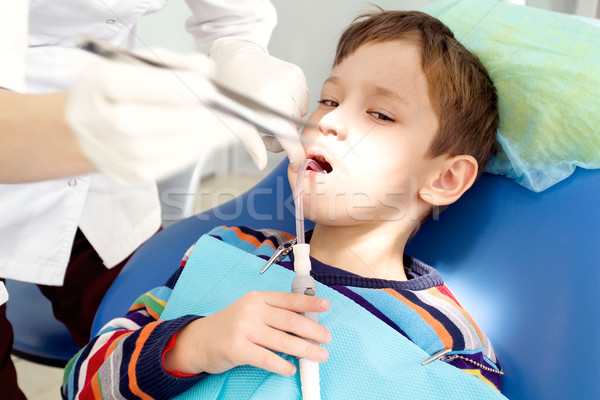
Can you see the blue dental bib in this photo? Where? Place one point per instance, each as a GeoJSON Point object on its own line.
{"type": "Point", "coordinates": [367, 358]}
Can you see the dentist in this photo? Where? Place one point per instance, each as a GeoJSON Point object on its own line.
{"type": "Point", "coordinates": [83, 140]}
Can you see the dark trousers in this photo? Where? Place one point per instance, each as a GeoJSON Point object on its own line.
{"type": "Point", "coordinates": [74, 304]}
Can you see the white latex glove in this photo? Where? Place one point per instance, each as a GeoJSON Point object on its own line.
{"type": "Point", "coordinates": [247, 67]}
{"type": "Point", "coordinates": [136, 122]}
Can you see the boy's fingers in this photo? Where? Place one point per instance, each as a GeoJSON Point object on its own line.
{"type": "Point", "coordinates": [296, 302]}
{"type": "Point", "coordinates": [263, 358]}
{"type": "Point", "coordinates": [289, 344]}
{"type": "Point", "coordinates": [289, 321]}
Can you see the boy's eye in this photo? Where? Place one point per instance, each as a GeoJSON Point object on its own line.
{"type": "Point", "coordinates": [380, 116]}
{"type": "Point", "coordinates": [328, 103]}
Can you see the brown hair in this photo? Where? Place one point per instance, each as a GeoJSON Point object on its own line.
{"type": "Point", "coordinates": [460, 89]}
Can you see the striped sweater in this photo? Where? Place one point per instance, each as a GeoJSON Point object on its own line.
{"type": "Point", "coordinates": [124, 361]}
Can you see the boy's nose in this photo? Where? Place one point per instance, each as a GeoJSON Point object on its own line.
{"type": "Point", "coordinates": [333, 123]}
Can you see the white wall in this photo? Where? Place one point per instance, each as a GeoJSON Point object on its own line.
{"type": "Point", "coordinates": [166, 28]}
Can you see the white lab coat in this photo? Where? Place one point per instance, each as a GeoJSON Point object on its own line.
{"type": "Point", "coordinates": [38, 221]}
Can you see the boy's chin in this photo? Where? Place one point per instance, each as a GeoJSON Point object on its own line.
{"type": "Point", "coordinates": [338, 222]}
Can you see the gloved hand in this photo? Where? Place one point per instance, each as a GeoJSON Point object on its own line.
{"type": "Point", "coordinates": [247, 67]}
{"type": "Point", "coordinates": [136, 122]}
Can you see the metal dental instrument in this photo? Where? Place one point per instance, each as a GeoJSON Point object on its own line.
{"type": "Point", "coordinates": [230, 101]}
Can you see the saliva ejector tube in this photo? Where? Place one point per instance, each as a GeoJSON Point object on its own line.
{"type": "Point", "coordinates": [304, 283]}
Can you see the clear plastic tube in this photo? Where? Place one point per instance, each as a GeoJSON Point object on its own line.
{"type": "Point", "coordinates": [298, 197]}
{"type": "Point", "coordinates": [304, 283]}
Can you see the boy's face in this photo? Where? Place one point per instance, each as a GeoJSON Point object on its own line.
{"type": "Point", "coordinates": [376, 124]}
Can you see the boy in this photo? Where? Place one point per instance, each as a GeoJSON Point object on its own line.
{"type": "Point", "coordinates": [407, 120]}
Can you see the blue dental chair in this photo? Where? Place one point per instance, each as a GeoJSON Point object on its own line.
{"type": "Point", "coordinates": [38, 336]}
{"type": "Point", "coordinates": [526, 265]}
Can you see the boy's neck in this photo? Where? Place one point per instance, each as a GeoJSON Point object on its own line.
{"type": "Point", "coordinates": [372, 251]}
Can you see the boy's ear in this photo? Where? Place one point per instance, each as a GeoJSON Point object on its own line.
{"type": "Point", "coordinates": [450, 180]}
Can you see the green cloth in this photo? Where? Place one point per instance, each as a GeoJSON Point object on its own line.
{"type": "Point", "coordinates": [546, 68]}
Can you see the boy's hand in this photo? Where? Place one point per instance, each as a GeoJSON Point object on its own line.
{"type": "Point", "coordinates": [245, 332]}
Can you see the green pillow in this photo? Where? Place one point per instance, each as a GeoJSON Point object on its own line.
{"type": "Point", "coordinates": [546, 69]}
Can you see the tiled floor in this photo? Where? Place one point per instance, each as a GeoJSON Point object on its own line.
{"type": "Point", "coordinates": [37, 381]}
{"type": "Point", "coordinates": [40, 382]}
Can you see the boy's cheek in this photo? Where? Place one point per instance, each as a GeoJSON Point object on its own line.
{"type": "Point", "coordinates": [314, 120]}
{"type": "Point", "coordinates": [309, 133]}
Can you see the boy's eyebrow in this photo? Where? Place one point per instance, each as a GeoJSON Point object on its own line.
{"type": "Point", "coordinates": [375, 89]}
{"type": "Point", "coordinates": [386, 92]}
{"type": "Point", "coordinates": [331, 79]}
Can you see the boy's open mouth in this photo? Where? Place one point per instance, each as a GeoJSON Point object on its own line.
{"type": "Point", "coordinates": [323, 163]}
